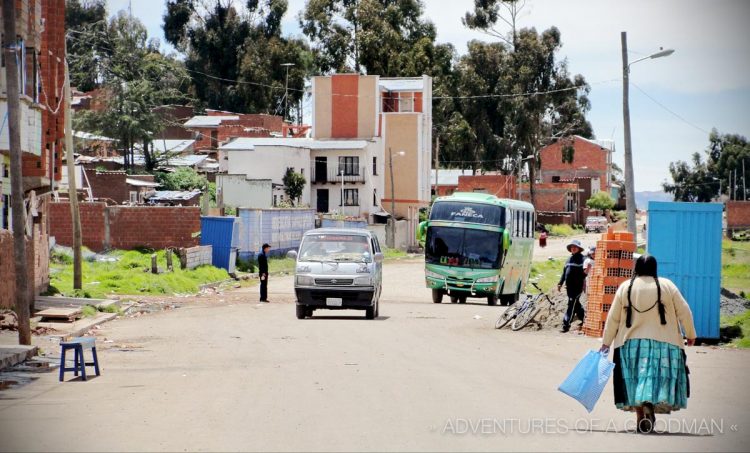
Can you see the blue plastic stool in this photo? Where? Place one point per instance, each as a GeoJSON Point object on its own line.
{"type": "Point", "coordinates": [78, 344]}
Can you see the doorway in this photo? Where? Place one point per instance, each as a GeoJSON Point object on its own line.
{"type": "Point", "coordinates": [322, 196]}
{"type": "Point", "coordinates": [321, 170]}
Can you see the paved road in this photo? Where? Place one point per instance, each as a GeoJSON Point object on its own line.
{"type": "Point", "coordinates": [233, 375]}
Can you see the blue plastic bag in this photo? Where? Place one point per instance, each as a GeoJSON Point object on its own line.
{"type": "Point", "coordinates": [586, 382]}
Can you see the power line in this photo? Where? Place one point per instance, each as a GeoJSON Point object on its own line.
{"type": "Point", "coordinates": [676, 115]}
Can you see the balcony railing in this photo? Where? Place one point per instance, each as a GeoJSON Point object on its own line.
{"type": "Point", "coordinates": [333, 175]}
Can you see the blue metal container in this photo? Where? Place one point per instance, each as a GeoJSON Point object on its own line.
{"type": "Point", "coordinates": [222, 234]}
{"type": "Point", "coordinates": [685, 238]}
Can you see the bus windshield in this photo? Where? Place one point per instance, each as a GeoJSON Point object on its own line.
{"type": "Point", "coordinates": [463, 247]}
{"type": "Point", "coordinates": [456, 211]}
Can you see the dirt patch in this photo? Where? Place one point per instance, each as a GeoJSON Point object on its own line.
{"type": "Point", "coordinates": [732, 304]}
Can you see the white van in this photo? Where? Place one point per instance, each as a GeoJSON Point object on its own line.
{"type": "Point", "coordinates": [338, 269]}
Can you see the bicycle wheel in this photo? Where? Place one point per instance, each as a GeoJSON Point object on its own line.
{"type": "Point", "coordinates": [508, 315]}
{"type": "Point", "coordinates": [526, 316]}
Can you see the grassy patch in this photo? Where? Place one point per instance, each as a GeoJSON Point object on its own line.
{"type": "Point", "coordinates": [739, 326]}
{"type": "Point", "coordinates": [88, 311]}
{"type": "Point", "coordinates": [735, 266]}
{"type": "Point", "coordinates": [546, 274]}
{"type": "Point", "coordinates": [391, 254]}
{"type": "Point", "coordinates": [563, 230]}
{"type": "Point", "coordinates": [130, 274]}
{"type": "Point", "coordinates": [277, 265]}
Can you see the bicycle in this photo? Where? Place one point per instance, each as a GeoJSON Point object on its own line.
{"type": "Point", "coordinates": [522, 312]}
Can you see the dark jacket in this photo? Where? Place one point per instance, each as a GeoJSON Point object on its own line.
{"type": "Point", "coordinates": [262, 264]}
{"type": "Point", "coordinates": [573, 275]}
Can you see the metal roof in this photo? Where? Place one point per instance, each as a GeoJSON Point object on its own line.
{"type": "Point", "coordinates": [249, 143]}
{"type": "Point", "coordinates": [139, 183]}
{"type": "Point", "coordinates": [209, 121]}
{"type": "Point", "coordinates": [88, 136]}
{"type": "Point", "coordinates": [172, 145]}
{"type": "Point", "coordinates": [403, 84]}
{"type": "Point", "coordinates": [170, 195]}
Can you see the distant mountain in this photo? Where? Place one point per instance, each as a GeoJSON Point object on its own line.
{"type": "Point", "coordinates": [642, 198]}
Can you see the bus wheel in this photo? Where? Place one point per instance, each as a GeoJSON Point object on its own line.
{"type": "Point", "coordinates": [462, 299]}
{"type": "Point", "coordinates": [454, 299]}
{"type": "Point", "coordinates": [437, 296]}
{"type": "Point", "coordinates": [492, 300]}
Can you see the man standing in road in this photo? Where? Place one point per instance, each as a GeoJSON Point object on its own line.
{"type": "Point", "coordinates": [573, 277]}
{"type": "Point", "coordinates": [263, 272]}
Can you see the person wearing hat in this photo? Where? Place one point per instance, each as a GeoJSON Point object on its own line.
{"type": "Point", "coordinates": [588, 265]}
{"type": "Point", "coordinates": [263, 272]}
{"type": "Point", "coordinates": [573, 277]}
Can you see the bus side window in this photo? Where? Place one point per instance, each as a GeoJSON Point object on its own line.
{"type": "Point", "coordinates": [528, 224]}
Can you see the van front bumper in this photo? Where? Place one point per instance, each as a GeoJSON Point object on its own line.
{"type": "Point", "coordinates": [357, 297]}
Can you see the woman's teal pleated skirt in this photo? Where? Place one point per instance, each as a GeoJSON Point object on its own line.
{"type": "Point", "coordinates": [650, 371]}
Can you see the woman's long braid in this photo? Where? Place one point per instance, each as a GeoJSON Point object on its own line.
{"type": "Point", "coordinates": [662, 314]}
{"type": "Point", "coordinates": [629, 314]}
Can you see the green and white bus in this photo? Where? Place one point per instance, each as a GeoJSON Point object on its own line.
{"type": "Point", "coordinates": [478, 245]}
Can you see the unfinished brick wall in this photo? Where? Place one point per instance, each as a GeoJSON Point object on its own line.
{"type": "Point", "coordinates": [550, 197]}
{"type": "Point", "coordinates": [37, 259]}
{"type": "Point", "coordinates": [589, 160]}
{"type": "Point", "coordinates": [153, 226]}
{"type": "Point", "coordinates": [127, 227]}
{"type": "Point", "coordinates": [738, 215]}
{"type": "Point", "coordinates": [92, 224]}
{"type": "Point", "coordinates": [501, 186]}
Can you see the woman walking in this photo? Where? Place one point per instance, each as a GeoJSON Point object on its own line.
{"type": "Point", "coordinates": [650, 375]}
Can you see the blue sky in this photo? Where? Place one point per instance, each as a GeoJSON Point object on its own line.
{"type": "Point", "coordinates": [705, 82]}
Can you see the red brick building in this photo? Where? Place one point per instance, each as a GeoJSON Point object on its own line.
{"type": "Point", "coordinates": [117, 187]}
{"type": "Point", "coordinates": [501, 186]}
{"type": "Point", "coordinates": [578, 157]}
{"type": "Point", "coordinates": [738, 216]}
{"type": "Point", "coordinates": [218, 127]}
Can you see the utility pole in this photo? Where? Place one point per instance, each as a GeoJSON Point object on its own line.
{"type": "Point", "coordinates": [10, 49]}
{"type": "Point", "coordinates": [744, 185]}
{"type": "Point", "coordinates": [437, 166]}
{"type": "Point", "coordinates": [72, 192]}
{"type": "Point", "coordinates": [286, 90]}
{"type": "Point", "coordinates": [629, 183]}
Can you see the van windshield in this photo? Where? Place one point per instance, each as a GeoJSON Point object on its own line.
{"type": "Point", "coordinates": [335, 247]}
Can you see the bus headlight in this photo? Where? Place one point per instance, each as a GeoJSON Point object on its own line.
{"type": "Point", "coordinates": [492, 279]}
{"type": "Point", "coordinates": [433, 274]}
{"type": "Point", "coordinates": [305, 280]}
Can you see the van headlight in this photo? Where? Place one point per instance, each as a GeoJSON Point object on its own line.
{"type": "Point", "coordinates": [303, 269]}
{"type": "Point", "coordinates": [432, 274]}
{"type": "Point", "coordinates": [492, 279]}
{"type": "Point", "coordinates": [363, 281]}
{"type": "Point", "coordinates": [304, 280]}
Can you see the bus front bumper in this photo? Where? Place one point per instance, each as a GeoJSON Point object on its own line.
{"type": "Point", "coordinates": [451, 285]}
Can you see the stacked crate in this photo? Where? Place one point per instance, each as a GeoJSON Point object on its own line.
{"type": "Point", "coordinates": [612, 266]}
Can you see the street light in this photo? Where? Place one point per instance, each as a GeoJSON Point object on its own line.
{"type": "Point", "coordinates": [629, 183]}
{"type": "Point", "coordinates": [286, 89]}
{"type": "Point", "coordinates": [393, 197]}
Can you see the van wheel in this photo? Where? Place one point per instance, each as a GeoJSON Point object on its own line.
{"type": "Point", "coordinates": [437, 296]}
{"type": "Point", "coordinates": [377, 308]}
{"type": "Point", "coordinates": [301, 311]}
{"type": "Point", "coordinates": [492, 300]}
{"type": "Point", "coordinates": [370, 313]}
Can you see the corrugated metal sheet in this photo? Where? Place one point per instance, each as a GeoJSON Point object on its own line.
{"type": "Point", "coordinates": [685, 238]}
{"type": "Point", "coordinates": [223, 234]}
{"type": "Point", "coordinates": [282, 229]}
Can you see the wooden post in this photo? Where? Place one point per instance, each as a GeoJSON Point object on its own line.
{"type": "Point", "coordinates": [10, 50]}
{"type": "Point", "coordinates": [169, 260]}
{"type": "Point", "coordinates": [154, 267]}
{"type": "Point", "coordinates": [72, 192]}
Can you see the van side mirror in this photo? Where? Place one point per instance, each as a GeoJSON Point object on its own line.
{"type": "Point", "coordinates": [379, 257]}
{"type": "Point", "coordinates": [291, 254]}
{"type": "Point", "coordinates": [506, 240]}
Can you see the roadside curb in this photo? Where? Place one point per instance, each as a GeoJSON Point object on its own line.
{"type": "Point", "coordinates": [80, 327]}
{"type": "Point", "coordinates": [13, 355]}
